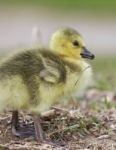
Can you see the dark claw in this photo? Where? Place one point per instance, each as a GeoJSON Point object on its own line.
{"type": "Point", "coordinates": [22, 133]}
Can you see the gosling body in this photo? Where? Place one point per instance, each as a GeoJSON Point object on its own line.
{"type": "Point", "coordinates": [35, 79]}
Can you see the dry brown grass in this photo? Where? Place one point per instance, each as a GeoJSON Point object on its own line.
{"type": "Point", "coordinates": [89, 124]}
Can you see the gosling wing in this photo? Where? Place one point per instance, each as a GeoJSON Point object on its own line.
{"type": "Point", "coordinates": [50, 72]}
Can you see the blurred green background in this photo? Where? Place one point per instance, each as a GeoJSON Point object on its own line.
{"type": "Point", "coordinates": [95, 20]}
{"type": "Point", "coordinates": [89, 5]}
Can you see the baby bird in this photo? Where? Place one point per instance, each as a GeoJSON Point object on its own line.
{"type": "Point", "coordinates": [35, 79]}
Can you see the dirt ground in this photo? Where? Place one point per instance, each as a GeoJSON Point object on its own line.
{"type": "Point", "coordinates": [87, 124]}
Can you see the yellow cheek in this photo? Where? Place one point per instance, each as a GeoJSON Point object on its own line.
{"type": "Point", "coordinates": [78, 52]}
{"type": "Point", "coordinates": [75, 53]}
{"type": "Point", "coordinates": [67, 49]}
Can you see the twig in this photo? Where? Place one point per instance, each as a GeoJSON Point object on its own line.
{"type": "Point", "coordinates": [103, 137]}
{"type": "Point", "coordinates": [48, 113]}
{"type": "Point", "coordinates": [71, 113]}
{"type": "Point", "coordinates": [61, 109]}
{"type": "Point", "coordinates": [4, 118]}
{"type": "Point", "coordinates": [56, 111]}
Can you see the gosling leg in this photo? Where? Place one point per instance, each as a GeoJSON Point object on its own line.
{"type": "Point", "coordinates": [15, 127]}
{"type": "Point", "coordinates": [40, 137]}
{"type": "Point", "coordinates": [15, 123]}
{"type": "Point", "coordinates": [38, 129]}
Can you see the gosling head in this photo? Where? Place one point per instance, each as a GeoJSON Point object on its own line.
{"type": "Point", "coordinates": [69, 43]}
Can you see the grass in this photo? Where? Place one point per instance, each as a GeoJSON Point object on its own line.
{"type": "Point", "coordinates": [66, 5]}
{"type": "Point", "coordinates": [105, 72]}
{"type": "Point", "coordinates": [105, 64]}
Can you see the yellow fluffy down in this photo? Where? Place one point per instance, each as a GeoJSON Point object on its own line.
{"type": "Point", "coordinates": [14, 93]}
{"type": "Point", "coordinates": [76, 82]}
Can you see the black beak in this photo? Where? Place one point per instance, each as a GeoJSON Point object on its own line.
{"type": "Point", "coordinates": [87, 54]}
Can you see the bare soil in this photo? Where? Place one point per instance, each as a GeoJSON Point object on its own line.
{"type": "Point", "coordinates": [87, 124]}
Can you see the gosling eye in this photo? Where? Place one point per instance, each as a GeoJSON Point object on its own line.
{"type": "Point", "coordinates": [75, 43]}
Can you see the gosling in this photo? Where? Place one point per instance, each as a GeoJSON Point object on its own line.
{"type": "Point", "coordinates": [35, 79]}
